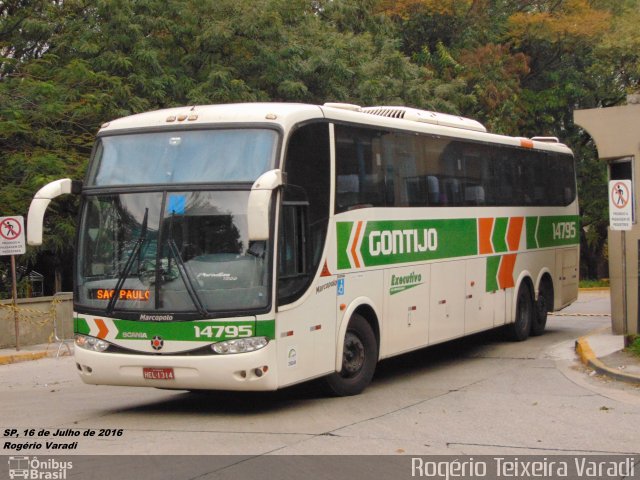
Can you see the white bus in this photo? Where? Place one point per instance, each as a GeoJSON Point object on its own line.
{"type": "Point", "coordinates": [256, 246]}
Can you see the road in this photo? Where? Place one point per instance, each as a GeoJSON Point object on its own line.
{"type": "Point", "coordinates": [478, 396]}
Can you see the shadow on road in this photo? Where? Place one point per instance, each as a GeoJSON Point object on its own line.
{"type": "Point", "coordinates": [390, 371]}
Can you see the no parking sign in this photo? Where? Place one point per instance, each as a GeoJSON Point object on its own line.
{"type": "Point", "coordinates": [12, 236]}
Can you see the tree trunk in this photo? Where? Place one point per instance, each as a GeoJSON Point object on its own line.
{"type": "Point", "coordinates": [57, 283]}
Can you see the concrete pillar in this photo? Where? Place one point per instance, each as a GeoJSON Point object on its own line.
{"type": "Point", "coordinates": [616, 133]}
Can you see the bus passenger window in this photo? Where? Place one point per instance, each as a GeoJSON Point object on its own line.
{"type": "Point", "coordinates": [360, 176]}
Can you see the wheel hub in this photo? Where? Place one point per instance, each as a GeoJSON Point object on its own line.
{"type": "Point", "coordinates": [353, 356]}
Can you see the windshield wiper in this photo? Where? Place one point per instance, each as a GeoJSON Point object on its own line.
{"type": "Point", "coordinates": [186, 278]}
{"type": "Point", "coordinates": [127, 267]}
{"type": "Point", "coordinates": [182, 270]}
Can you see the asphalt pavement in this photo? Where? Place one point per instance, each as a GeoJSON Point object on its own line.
{"type": "Point", "coordinates": [600, 350]}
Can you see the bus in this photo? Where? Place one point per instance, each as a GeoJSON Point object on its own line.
{"type": "Point", "coordinates": [255, 246]}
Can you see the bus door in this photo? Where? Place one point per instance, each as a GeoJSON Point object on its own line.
{"type": "Point", "coordinates": [305, 296]}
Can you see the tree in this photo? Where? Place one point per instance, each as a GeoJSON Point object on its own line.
{"type": "Point", "coordinates": [520, 67]}
{"type": "Point", "coordinates": [69, 66]}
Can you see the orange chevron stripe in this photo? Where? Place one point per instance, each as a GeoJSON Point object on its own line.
{"type": "Point", "coordinates": [505, 271]}
{"type": "Point", "coordinates": [102, 328]}
{"type": "Point", "coordinates": [514, 232]}
{"type": "Point", "coordinates": [354, 245]}
{"type": "Point", "coordinates": [485, 226]}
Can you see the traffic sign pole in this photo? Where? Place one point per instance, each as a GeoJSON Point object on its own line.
{"type": "Point", "coordinates": [621, 218]}
{"type": "Point", "coordinates": [14, 293]}
{"type": "Point", "coordinates": [625, 313]}
{"type": "Point", "coordinates": [12, 243]}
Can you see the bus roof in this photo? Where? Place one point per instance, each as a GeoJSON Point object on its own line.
{"type": "Point", "coordinates": [287, 115]}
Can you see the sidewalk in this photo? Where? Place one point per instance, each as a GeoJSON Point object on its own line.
{"type": "Point", "coordinates": [34, 352]}
{"type": "Point", "coordinates": [603, 352]}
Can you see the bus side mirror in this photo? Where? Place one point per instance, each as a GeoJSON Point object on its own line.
{"type": "Point", "coordinates": [40, 203]}
{"type": "Point", "coordinates": [259, 202]}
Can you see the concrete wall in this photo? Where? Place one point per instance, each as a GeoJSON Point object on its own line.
{"type": "Point", "coordinates": [36, 320]}
{"type": "Point", "coordinates": [616, 132]}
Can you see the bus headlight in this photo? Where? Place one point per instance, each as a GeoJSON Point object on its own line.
{"type": "Point", "coordinates": [91, 343]}
{"type": "Point", "coordinates": [240, 345]}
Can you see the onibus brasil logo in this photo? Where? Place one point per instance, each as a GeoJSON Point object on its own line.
{"type": "Point", "coordinates": [34, 468]}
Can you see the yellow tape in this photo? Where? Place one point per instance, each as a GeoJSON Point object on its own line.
{"type": "Point", "coordinates": [26, 314]}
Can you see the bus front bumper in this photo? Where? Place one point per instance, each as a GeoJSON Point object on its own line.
{"type": "Point", "coordinates": [240, 371]}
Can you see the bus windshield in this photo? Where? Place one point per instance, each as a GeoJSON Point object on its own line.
{"type": "Point", "coordinates": [189, 156]}
{"type": "Point", "coordinates": [179, 252]}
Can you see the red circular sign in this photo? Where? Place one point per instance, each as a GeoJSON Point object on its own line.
{"type": "Point", "coordinates": [10, 229]}
{"type": "Point", "coordinates": [620, 195]}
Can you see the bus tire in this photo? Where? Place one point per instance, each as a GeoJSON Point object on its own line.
{"type": "Point", "coordinates": [359, 359]}
{"type": "Point", "coordinates": [521, 328]}
{"type": "Point", "coordinates": [543, 305]}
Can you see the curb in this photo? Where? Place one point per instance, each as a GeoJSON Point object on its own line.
{"type": "Point", "coordinates": [22, 357]}
{"type": "Point", "coordinates": [7, 358]}
{"type": "Point", "coordinates": [588, 358]}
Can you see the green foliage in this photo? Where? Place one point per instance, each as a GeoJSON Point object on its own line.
{"type": "Point", "coordinates": [525, 67]}
{"type": "Point", "coordinates": [519, 67]}
{"type": "Point", "coordinates": [634, 348]}
{"type": "Point", "coordinates": [601, 283]}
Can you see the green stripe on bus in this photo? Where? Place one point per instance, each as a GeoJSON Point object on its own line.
{"type": "Point", "coordinates": [553, 231]}
{"type": "Point", "coordinates": [493, 264]}
{"type": "Point", "coordinates": [266, 328]}
{"type": "Point", "coordinates": [388, 242]}
{"type": "Point", "coordinates": [499, 237]}
{"type": "Point", "coordinates": [189, 331]}
{"type": "Point", "coordinates": [186, 331]}
{"type": "Point", "coordinates": [391, 242]}
{"type": "Point", "coordinates": [343, 231]}
{"type": "Point", "coordinates": [81, 326]}
{"type": "Point", "coordinates": [532, 225]}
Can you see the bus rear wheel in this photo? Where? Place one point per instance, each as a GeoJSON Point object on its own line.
{"type": "Point", "coordinates": [359, 359]}
{"type": "Point", "coordinates": [521, 328]}
{"type": "Point", "coordinates": [543, 306]}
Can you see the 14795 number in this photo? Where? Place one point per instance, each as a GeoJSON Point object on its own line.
{"type": "Point", "coordinates": [228, 331]}
{"type": "Point", "coordinates": [564, 230]}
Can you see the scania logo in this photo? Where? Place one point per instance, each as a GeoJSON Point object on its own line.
{"type": "Point", "coordinates": [157, 343]}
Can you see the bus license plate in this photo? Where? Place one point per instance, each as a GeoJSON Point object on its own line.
{"type": "Point", "coordinates": [158, 373]}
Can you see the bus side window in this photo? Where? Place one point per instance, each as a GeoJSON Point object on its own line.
{"type": "Point", "coordinates": [293, 254]}
{"type": "Point", "coordinates": [360, 176]}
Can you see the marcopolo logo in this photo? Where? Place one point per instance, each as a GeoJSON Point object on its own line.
{"type": "Point", "coordinates": [156, 318]}
{"type": "Point", "coordinates": [33, 468]}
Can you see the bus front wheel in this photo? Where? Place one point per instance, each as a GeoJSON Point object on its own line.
{"type": "Point", "coordinates": [359, 359]}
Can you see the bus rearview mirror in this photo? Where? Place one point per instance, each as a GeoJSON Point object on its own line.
{"type": "Point", "coordinates": [40, 203]}
{"type": "Point", "coordinates": [259, 203]}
